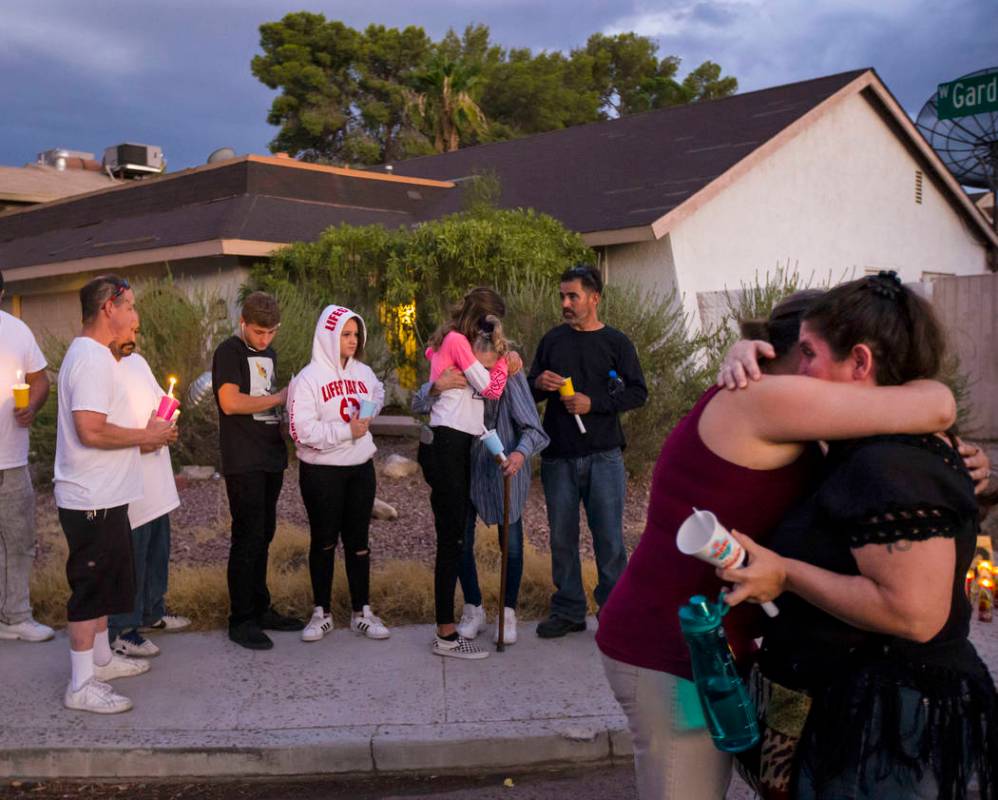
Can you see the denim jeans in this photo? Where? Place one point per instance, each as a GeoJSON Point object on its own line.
{"type": "Point", "coordinates": [17, 544]}
{"type": "Point", "coordinates": [468, 571]}
{"type": "Point", "coordinates": [599, 482]}
{"type": "Point", "coordinates": [151, 548]}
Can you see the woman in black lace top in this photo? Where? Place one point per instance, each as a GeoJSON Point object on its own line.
{"type": "Point", "coordinates": [869, 687]}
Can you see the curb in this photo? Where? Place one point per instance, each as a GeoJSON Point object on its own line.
{"type": "Point", "coordinates": [386, 749]}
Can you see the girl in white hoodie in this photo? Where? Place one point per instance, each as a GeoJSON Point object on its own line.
{"type": "Point", "coordinates": [336, 464]}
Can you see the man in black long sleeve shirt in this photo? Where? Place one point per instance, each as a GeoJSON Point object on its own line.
{"type": "Point", "coordinates": [584, 467]}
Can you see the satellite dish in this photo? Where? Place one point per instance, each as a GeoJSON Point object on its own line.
{"type": "Point", "coordinates": [960, 122]}
{"type": "Point", "coordinates": [221, 154]}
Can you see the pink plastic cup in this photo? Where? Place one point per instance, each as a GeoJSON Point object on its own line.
{"type": "Point", "coordinates": [167, 405]}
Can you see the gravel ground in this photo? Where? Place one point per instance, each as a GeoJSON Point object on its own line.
{"type": "Point", "coordinates": [200, 526]}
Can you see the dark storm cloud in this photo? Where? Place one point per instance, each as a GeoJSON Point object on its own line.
{"type": "Point", "coordinates": [176, 74]}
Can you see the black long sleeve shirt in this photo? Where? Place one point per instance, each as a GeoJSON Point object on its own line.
{"type": "Point", "coordinates": [587, 358]}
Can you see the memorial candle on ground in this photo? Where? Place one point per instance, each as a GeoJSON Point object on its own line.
{"type": "Point", "coordinates": [168, 404]}
{"type": "Point", "coordinates": [21, 391]}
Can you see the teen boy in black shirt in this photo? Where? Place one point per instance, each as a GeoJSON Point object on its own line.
{"type": "Point", "coordinates": [584, 467]}
{"type": "Point", "coordinates": [244, 372]}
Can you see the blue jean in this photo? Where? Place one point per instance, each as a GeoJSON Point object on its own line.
{"type": "Point", "coordinates": [599, 482]}
{"type": "Point", "coordinates": [151, 547]}
{"type": "Point", "coordinates": [468, 571]}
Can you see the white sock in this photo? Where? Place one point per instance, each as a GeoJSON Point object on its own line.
{"type": "Point", "coordinates": [82, 664]}
{"type": "Point", "coordinates": [102, 649]}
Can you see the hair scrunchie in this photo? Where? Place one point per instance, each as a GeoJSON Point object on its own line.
{"type": "Point", "coordinates": [885, 283]}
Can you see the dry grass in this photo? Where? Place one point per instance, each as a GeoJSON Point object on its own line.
{"type": "Point", "coordinates": [401, 591]}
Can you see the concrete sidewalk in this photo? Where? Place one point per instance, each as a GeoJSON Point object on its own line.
{"type": "Point", "coordinates": [345, 704]}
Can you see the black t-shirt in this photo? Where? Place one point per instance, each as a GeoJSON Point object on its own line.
{"type": "Point", "coordinates": [587, 358]}
{"type": "Point", "coordinates": [878, 490]}
{"type": "Point", "coordinates": [248, 442]}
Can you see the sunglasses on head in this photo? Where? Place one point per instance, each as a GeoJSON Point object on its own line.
{"type": "Point", "coordinates": [120, 287]}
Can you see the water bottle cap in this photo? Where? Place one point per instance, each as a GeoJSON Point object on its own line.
{"type": "Point", "coordinates": [700, 614]}
{"type": "Point", "coordinates": [613, 373]}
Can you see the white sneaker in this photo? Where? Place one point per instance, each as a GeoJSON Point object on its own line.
{"type": "Point", "coordinates": [459, 648]}
{"type": "Point", "coordinates": [97, 697]}
{"type": "Point", "coordinates": [366, 624]}
{"type": "Point", "coordinates": [472, 621]}
{"type": "Point", "coordinates": [508, 628]}
{"type": "Point", "coordinates": [120, 667]}
{"type": "Point", "coordinates": [168, 623]}
{"type": "Point", "coordinates": [320, 624]}
{"type": "Point", "coordinates": [28, 631]}
{"type": "Point", "coordinates": [134, 645]}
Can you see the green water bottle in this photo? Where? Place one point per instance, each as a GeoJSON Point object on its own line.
{"type": "Point", "coordinates": [727, 708]}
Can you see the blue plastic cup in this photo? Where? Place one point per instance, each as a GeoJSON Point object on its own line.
{"type": "Point", "coordinates": [493, 444]}
{"type": "Point", "coordinates": [367, 409]}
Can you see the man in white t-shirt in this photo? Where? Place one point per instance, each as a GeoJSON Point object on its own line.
{"type": "Point", "coordinates": [97, 474]}
{"type": "Point", "coordinates": [20, 362]}
{"type": "Point", "coordinates": [150, 522]}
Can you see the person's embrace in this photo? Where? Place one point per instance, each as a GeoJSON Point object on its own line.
{"type": "Point", "coordinates": [584, 467]}
{"type": "Point", "coordinates": [873, 624]}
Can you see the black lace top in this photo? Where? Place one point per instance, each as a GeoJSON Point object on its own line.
{"type": "Point", "coordinates": [879, 490]}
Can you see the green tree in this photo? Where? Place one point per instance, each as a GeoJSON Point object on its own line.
{"type": "Point", "coordinates": [444, 103]}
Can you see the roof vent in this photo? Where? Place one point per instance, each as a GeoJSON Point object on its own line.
{"type": "Point", "coordinates": [221, 154]}
{"type": "Point", "coordinates": [389, 169]}
{"type": "Point", "coordinates": [64, 159]}
{"type": "Point", "coordinates": [130, 160]}
{"type": "Point", "coordinates": [918, 186]}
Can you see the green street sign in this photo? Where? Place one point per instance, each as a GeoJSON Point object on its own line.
{"type": "Point", "coordinates": [966, 96]}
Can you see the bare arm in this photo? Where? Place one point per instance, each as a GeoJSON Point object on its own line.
{"type": "Point", "coordinates": [794, 408]}
{"type": "Point", "coordinates": [94, 430]}
{"type": "Point", "coordinates": [903, 588]}
{"type": "Point", "coordinates": [38, 392]}
{"type": "Point", "coordinates": [232, 401]}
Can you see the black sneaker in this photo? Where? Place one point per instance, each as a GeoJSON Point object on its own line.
{"type": "Point", "coordinates": [250, 636]}
{"type": "Point", "coordinates": [272, 620]}
{"type": "Point", "coordinates": [554, 626]}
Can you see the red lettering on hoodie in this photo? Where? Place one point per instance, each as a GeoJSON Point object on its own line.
{"type": "Point", "coordinates": [334, 318]}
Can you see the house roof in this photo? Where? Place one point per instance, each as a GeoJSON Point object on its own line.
{"type": "Point", "coordinates": [39, 183]}
{"type": "Point", "coordinates": [245, 206]}
{"type": "Point", "coordinates": [631, 178]}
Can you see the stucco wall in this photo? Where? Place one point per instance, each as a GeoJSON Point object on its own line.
{"type": "Point", "coordinates": [838, 199]}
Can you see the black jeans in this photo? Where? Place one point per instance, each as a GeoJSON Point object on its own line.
{"type": "Point", "coordinates": [446, 467]}
{"type": "Point", "coordinates": [339, 502]}
{"type": "Point", "coordinates": [253, 505]}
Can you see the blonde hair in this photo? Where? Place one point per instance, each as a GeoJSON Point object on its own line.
{"type": "Point", "coordinates": [490, 338]}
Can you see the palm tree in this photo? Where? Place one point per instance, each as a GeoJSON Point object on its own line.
{"type": "Point", "coordinates": [442, 99]}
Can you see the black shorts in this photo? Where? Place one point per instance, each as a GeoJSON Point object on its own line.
{"type": "Point", "coordinates": [100, 569]}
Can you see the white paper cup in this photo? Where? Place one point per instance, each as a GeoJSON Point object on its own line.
{"type": "Point", "coordinates": [703, 537]}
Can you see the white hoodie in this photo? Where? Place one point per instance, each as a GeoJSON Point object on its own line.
{"type": "Point", "coordinates": [325, 396]}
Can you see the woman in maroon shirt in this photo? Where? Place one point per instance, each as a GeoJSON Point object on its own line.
{"type": "Point", "coordinates": [742, 455]}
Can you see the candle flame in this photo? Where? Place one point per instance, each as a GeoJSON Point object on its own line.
{"type": "Point", "coordinates": [987, 583]}
{"type": "Point", "coordinates": [20, 376]}
{"type": "Point", "coordinates": [173, 382]}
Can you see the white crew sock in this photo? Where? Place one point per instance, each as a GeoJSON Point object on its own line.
{"type": "Point", "coordinates": [82, 664]}
{"type": "Point", "coordinates": [102, 649]}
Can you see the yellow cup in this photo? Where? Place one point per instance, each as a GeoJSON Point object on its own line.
{"type": "Point", "coordinates": [21, 391]}
{"type": "Point", "coordinates": [566, 389]}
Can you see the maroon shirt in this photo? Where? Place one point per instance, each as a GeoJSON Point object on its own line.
{"type": "Point", "coordinates": [639, 624]}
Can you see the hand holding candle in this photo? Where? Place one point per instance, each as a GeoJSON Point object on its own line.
{"type": "Point", "coordinates": [168, 404]}
{"type": "Point", "coordinates": [493, 444]}
{"type": "Point", "coordinates": [567, 390]}
{"type": "Point", "coordinates": [21, 391]}
{"type": "Point", "coordinates": [703, 537]}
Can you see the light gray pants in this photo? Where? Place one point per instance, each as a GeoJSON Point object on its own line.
{"type": "Point", "coordinates": [674, 757]}
{"type": "Point", "coordinates": [17, 544]}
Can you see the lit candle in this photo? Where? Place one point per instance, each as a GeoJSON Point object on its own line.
{"type": "Point", "coordinates": [168, 404]}
{"type": "Point", "coordinates": [21, 390]}
{"type": "Point", "coordinates": [969, 584]}
{"type": "Point", "coordinates": [568, 390]}
{"type": "Point", "coordinates": [986, 600]}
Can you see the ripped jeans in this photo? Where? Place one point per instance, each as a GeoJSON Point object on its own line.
{"type": "Point", "coordinates": [338, 501]}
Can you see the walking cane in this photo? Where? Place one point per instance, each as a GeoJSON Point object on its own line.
{"type": "Point", "coordinates": [503, 547]}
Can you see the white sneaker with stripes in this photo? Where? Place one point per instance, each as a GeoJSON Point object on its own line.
{"type": "Point", "coordinates": [366, 624]}
{"type": "Point", "coordinates": [317, 627]}
{"type": "Point", "coordinates": [97, 697]}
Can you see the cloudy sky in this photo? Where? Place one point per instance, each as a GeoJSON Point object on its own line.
{"type": "Point", "coordinates": [176, 73]}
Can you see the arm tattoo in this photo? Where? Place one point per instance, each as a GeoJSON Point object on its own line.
{"type": "Point", "coordinates": [901, 545]}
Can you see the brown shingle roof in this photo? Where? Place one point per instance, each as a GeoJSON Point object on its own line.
{"type": "Point", "coordinates": [631, 171]}
{"type": "Point", "coordinates": [39, 183]}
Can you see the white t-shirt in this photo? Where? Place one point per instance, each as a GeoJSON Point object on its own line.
{"type": "Point", "coordinates": [88, 478]}
{"type": "Point", "coordinates": [159, 489]}
{"type": "Point", "coordinates": [18, 351]}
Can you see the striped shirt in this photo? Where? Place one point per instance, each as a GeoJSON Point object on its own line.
{"type": "Point", "coordinates": [515, 418]}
